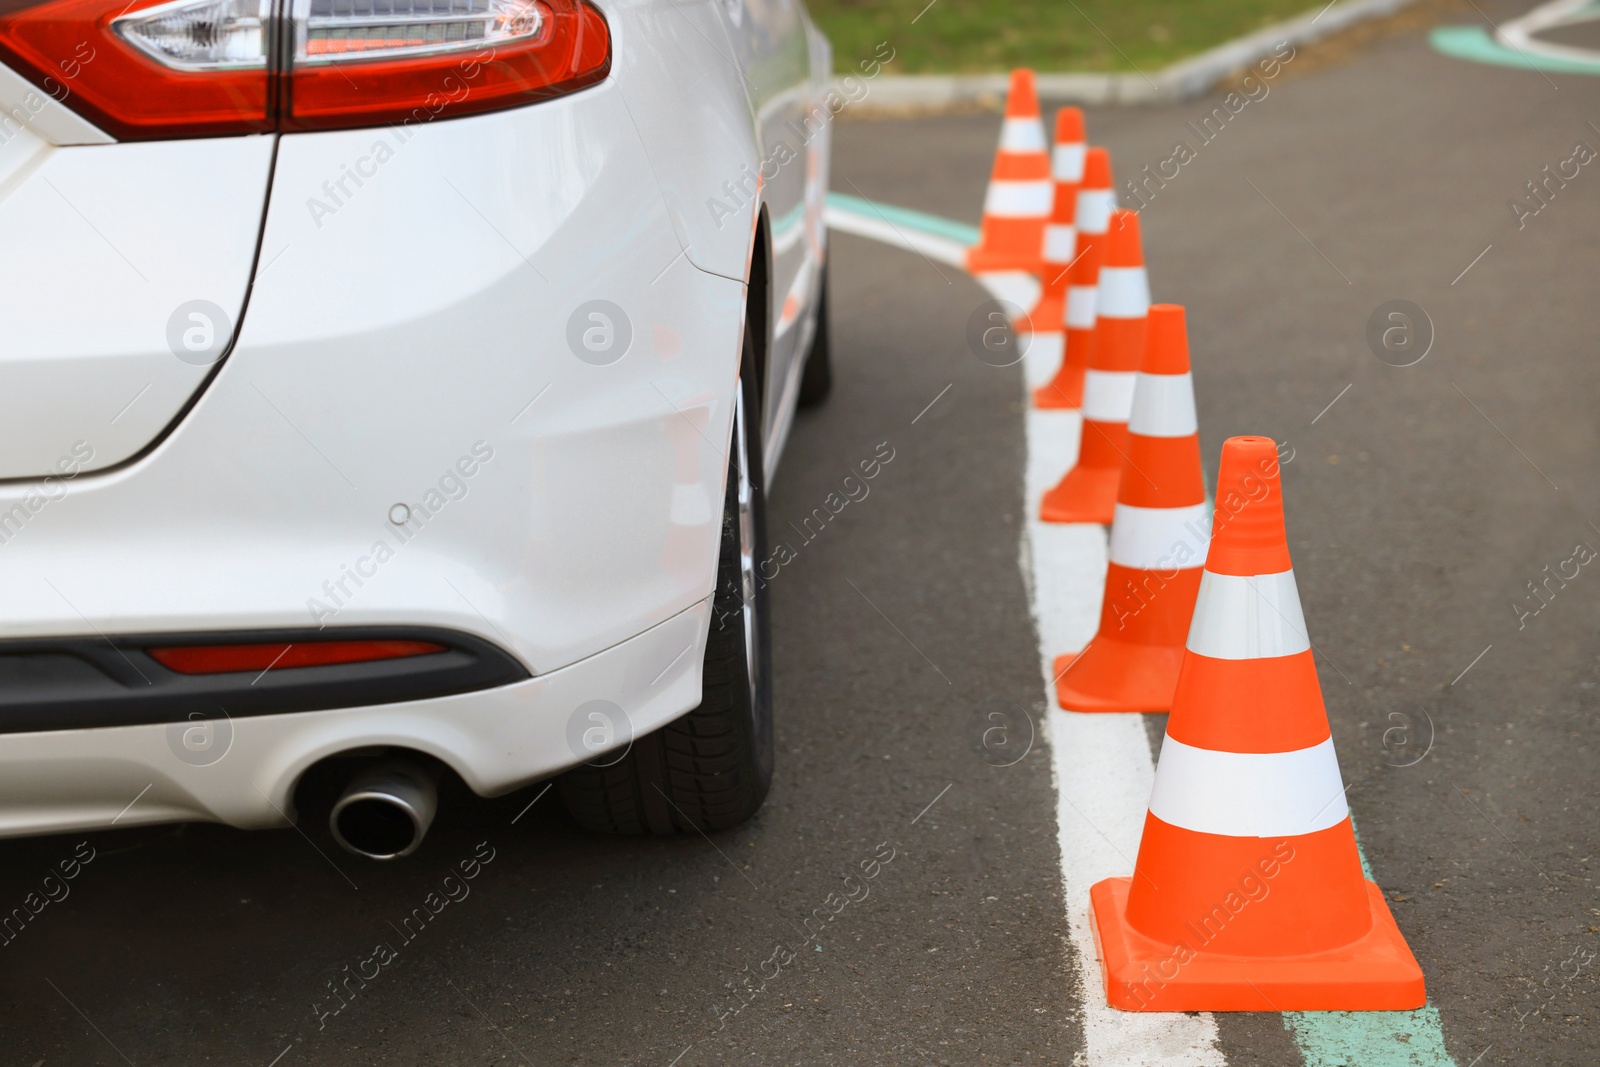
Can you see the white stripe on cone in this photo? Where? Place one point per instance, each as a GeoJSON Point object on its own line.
{"type": "Point", "coordinates": [1152, 539]}
{"type": "Point", "coordinates": [1066, 162]}
{"type": "Point", "coordinates": [1022, 135]}
{"type": "Point", "coordinates": [1163, 406]}
{"type": "Point", "coordinates": [1108, 395]}
{"type": "Point", "coordinates": [1124, 293]}
{"type": "Point", "coordinates": [1248, 794]}
{"type": "Point", "coordinates": [1081, 303]}
{"type": "Point", "coordinates": [1256, 617]}
{"type": "Point", "coordinates": [1094, 210]}
{"type": "Point", "coordinates": [1060, 243]}
{"type": "Point", "coordinates": [1018, 199]}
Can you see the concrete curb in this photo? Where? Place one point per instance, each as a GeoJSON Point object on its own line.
{"type": "Point", "coordinates": [1183, 80]}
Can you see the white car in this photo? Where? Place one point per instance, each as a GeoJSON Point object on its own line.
{"type": "Point", "coordinates": [391, 387]}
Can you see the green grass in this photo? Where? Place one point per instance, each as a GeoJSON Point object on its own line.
{"type": "Point", "coordinates": [971, 36]}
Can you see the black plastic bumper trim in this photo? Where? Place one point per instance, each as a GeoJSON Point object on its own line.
{"type": "Point", "coordinates": [71, 683]}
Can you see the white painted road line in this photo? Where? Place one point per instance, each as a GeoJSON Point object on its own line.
{"type": "Point", "coordinates": [1102, 764]}
{"type": "Point", "coordinates": [933, 246]}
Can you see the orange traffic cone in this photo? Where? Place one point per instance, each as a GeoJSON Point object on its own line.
{"type": "Point", "coordinates": [1088, 492]}
{"type": "Point", "coordinates": [1091, 215]}
{"type": "Point", "coordinates": [1018, 202]}
{"type": "Point", "coordinates": [1158, 542]}
{"type": "Point", "coordinates": [1047, 320]}
{"type": "Point", "coordinates": [1248, 894]}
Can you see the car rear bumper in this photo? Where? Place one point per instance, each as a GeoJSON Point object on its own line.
{"type": "Point", "coordinates": [243, 771]}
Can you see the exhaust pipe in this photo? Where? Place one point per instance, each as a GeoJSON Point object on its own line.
{"type": "Point", "coordinates": [386, 810]}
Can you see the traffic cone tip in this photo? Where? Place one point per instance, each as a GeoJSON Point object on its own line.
{"type": "Point", "coordinates": [1124, 248]}
{"type": "Point", "coordinates": [1167, 346]}
{"type": "Point", "coordinates": [1248, 532]}
{"type": "Point", "coordinates": [1069, 125]}
{"type": "Point", "coordinates": [1022, 98]}
{"type": "Point", "coordinates": [1097, 168]}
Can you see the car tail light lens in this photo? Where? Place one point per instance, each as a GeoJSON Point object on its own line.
{"type": "Point", "coordinates": [131, 75]}
{"type": "Point", "coordinates": [385, 28]}
{"type": "Point", "coordinates": [189, 68]}
{"type": "Point", "coordinates": [201, 34]}
{"type": "Point", "coordinates": [223, 659]}
{"type": "Point", "coordinates": [359, 62]}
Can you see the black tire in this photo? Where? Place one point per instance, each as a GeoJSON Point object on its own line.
{"type": "Point", "coordinates": [816, 381]}
{"type": "Point", "coordinates": [711, 769]}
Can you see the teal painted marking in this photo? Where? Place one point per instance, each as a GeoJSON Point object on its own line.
{"type": "Point", "coordinates": [1325, 1038]}
{"type": "Point", "coordinates": [1369, 1038]}
{"type": "Point", "coordinates": [1361, 853]}
{"type": "Point", "coordinates": [790, 219]}
{"type": "Point", "coordinates": [1474, 44]}
{"type": "Point", "coordinates": [904, 216]}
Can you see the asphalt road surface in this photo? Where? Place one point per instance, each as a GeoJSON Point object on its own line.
{"type": "Point", "coordinates": [1421, 503]}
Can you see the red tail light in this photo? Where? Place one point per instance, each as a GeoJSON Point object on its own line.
{"type": "Point", "coordinates": [70, 49]}
{"type": "Point", "coordinates": [221, 659]}
{"type": "Point", "coordinates": [186, 68]}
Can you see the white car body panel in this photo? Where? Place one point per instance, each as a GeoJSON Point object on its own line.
{"type": "Point", "coordinates": [102, 244]}
{"type": "Point", "coordinates": [767, 51]}
{"type": "Point", "coordinates": [700, 133]}
{"type": "Point", "coordinates": [24, 106]}
{"type": "Point", "coordinates": [402, 345]}
{"type": "Point", "coordinates": [420, 345]}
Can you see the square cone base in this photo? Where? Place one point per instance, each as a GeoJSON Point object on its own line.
{"type": "Point", "coordinates": [1112, 675]}
{"type": "Point", "coordinates": [1376, 973]}
{"type": "Point", "coordinates": [1086, 494]}
{"type": "Point", "coordinates": [1055, 396]}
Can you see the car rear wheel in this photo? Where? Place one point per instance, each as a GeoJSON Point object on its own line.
{"type": "Point", "coordinates": [711, 769]}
